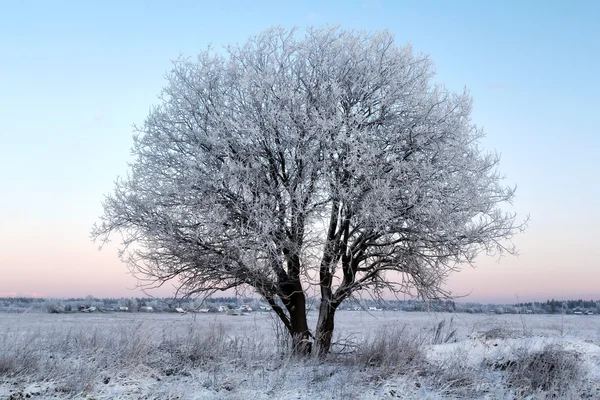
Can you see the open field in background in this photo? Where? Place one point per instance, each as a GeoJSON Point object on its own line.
{"type": "Point", "coordinates": [379, 355]}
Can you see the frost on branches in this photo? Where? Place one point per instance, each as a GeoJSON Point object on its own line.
{"type": "Point", "coordinates": [329, 161]}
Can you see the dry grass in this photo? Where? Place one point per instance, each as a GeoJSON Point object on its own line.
{"type": "Point", "coordinates": [391, 350]}
{"type": "Point", "coordinates": [19, 353]}
{"type": "Point", "coordinates": [552, 372]}
{"type": "Point", "coordinates": [114, 356]}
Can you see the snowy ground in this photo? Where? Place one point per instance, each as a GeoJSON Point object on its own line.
{"type": "Point", "coordinates": [379, 355]}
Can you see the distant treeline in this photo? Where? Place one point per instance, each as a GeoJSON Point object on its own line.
{"type": "Point", "coordinates": [132, 304]}
{"type": "Point", "coordinates": [25, 304]}
{"type": "Point", "coordinates": [562, 306]}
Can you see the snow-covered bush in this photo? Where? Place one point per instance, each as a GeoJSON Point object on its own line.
{"type": "Point", "coordinates": [552, 372]}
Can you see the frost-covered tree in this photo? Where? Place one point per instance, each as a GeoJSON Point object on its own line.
{"type": "Point", "coordinates": [329, 162]}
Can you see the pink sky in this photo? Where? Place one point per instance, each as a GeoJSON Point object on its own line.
{"type": "Point", "coordinates": [53, 263]}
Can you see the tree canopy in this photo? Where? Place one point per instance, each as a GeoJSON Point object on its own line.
{"type": "Point", "coordinates": [329, 161]}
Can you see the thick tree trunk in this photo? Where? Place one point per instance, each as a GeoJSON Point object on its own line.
{"type": "Point", "coordinates": [295, 303]}
{"type": "Point", "coordinates": [325, 326]}
{"type": "Point", "coordinates": [294, 321]}
{"type": "Point", "coordinates": [301, 343]}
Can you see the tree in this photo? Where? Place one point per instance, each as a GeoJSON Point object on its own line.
{"type": "Point", "coordinates": [329, 162]}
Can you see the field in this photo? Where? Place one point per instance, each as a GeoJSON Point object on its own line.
{"type": "Point", "coordinates": [378, 355]}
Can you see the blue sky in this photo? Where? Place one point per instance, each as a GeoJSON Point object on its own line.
{"type": "Point", "coordinates": [75, 76]}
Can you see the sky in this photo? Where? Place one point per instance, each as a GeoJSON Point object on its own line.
{"type": "Point", "coordinates": [76, 75]}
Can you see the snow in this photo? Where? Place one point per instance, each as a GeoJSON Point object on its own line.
{"type": "Point", "coordinates": [217, 356]}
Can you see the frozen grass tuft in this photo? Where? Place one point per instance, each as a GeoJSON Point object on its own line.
{"type": "Point", "coordinates": [551, 372]}
{"type": "Point", "coordinates": [19, 354]}
{"type": "Point", "coordinates": [393, 350]}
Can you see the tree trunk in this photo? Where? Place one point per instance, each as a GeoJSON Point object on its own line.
{"type": "Point", "coordinates": [325, 326]}
{"type": "Point", "coordinates": [300, 334]}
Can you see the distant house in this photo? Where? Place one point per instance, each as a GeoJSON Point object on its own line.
{"type": "Point", "coordinates": [146, 309]}
{"type": "Point", "coordinates": [375, 309]}
{"type": "Point", "coordinates": [89, 309]}
{"type": "Point", "coordinates": [180, 310]}
{"type": "Point", "coordinates": [123, 309]}
{"type": "Point", "coordinates": [577, 312]}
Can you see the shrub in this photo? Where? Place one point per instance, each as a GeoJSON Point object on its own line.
{"type": "Point", "coordinates": [552, 371]}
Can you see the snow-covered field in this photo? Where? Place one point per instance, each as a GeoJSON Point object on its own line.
{"type": "Point", "coordinates": [378, 355]}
